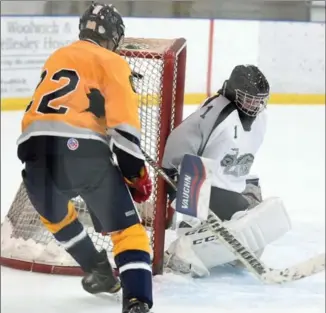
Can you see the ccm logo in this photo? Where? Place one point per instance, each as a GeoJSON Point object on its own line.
{"type": "Point", "coordinates": [204, 240]}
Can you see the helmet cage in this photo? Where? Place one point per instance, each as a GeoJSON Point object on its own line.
{"type": "Point", "coordinates": [249, 104]}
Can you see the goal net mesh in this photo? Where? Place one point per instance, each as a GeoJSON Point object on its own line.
{"type": "Point", "coordinates": [158, 77]}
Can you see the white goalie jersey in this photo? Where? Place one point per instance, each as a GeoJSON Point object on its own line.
{"type": "Point", "coordinates": [217, 129]}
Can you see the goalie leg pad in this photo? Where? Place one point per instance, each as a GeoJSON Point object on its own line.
{"type": "Point", "coordinates": [251, 197]}
{"type": "Point", "coordinates": [262, 225]}
{"type": "Point", "coordinates": [255, 229]}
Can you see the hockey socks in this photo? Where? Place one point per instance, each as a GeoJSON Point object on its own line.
{"type": "Point", "coordinates": [136, 275]}
{"type": "Point", "coordinates": [78, 244]}
{"type": "Point", "coordinates": [132, 257]}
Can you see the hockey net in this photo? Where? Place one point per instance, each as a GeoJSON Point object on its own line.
{"type": "Point", "coordinates": [158, 67]}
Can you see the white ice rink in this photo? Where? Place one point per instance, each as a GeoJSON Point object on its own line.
{"type": "Point", "coordinates": [291, 165]}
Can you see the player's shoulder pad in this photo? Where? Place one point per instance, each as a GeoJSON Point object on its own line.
{"type": "Point", "coordinates": [68, 47]}
{"type": "Point", "coordinates": [213, 114]}
{"type": "Point", "coordinates": [117, 58]}
{"type": "Point", "coordinates": [264, 114]}
{"type": "Point", "coordinates": [213, 107]}
{"type": "Point", "coordinates": [261, 120]}
{"type": "Point", "coordinates": [119, 70]}
{"type": "Point", "coordinates": [62, 55]}
{"type": "Point", "coordinates": [117, 63]}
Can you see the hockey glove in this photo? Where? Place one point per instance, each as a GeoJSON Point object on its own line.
{"type": "Point", "coordinates": [141, 187]}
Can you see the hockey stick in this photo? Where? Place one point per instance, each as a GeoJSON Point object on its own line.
{"type": "Point", "coordinates": [254, 265]}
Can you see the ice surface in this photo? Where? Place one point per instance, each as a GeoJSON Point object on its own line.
{"type": "Point", "coordinates": [291, 165]}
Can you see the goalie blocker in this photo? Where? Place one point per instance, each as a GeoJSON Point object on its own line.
{"type": "Point", "coordinates": [197, 249]}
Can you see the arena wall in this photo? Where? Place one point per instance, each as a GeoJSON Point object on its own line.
{"type": "Point", "coordinates": [291, 54]}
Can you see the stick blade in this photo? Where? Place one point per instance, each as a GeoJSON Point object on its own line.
{"type": "Point", "coordinates": [304, 269]}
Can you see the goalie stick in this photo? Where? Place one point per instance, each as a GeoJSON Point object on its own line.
{"type": "Point", "coordinates": [251, 262]}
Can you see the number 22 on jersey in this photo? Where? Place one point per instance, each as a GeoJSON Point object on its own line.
{"type": "Point", "coordinates": [43, 105]}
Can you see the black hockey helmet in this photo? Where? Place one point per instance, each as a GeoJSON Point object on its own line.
{"type": "Point", "coordinates": [248, 88]}
{"type": "Point", "coordinates": [102, 22]}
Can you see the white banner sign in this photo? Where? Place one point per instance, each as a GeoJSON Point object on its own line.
{"type": "Point", "coordinates": [26, 43]}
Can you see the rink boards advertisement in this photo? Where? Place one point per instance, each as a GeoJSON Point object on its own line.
{"type": "Point", "coordinates": [292, 55]}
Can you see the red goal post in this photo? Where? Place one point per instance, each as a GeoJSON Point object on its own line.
{"type": "Point", "coordinates": [159, 67]}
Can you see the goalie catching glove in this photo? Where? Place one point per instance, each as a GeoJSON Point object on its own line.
{"type": "Point", "coordinates": [140, 187]}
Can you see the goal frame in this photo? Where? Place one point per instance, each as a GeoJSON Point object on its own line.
{"type": "Point", "coordinates": [174, 56]}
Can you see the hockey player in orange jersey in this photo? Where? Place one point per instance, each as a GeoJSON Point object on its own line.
{"type": "Point", "coordinates": [85, 89]}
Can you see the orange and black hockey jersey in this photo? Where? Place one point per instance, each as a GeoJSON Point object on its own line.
{"type": "Point", "coordinates": [85, 89]}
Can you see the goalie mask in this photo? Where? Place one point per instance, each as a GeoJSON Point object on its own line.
{"type": "Point", "coordinates": [248, 88]}
{"type": "Point", "coordinates": [102, 22]}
